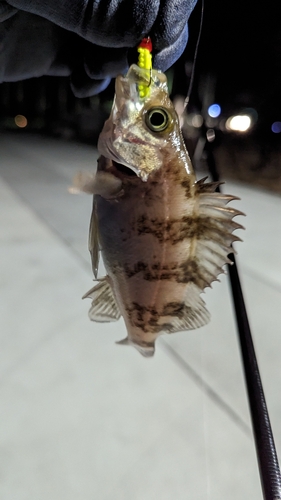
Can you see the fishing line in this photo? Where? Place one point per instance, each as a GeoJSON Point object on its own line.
{"type": "Point", "coordinates": [206, 432]}
{"type": "Point", "coordinates": [202, 356]}
{"type": "Point", "coordinates": [186, 101]}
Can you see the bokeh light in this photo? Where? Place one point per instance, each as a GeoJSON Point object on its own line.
{"type": "Point", "coordinates": [20, 121]}
{"type": "Point", "coordinates": [214, 110]}
{"type": "Point", "coordinates": [197, 121]}
{"type": "Point", "coordinates": [238, 123]}
{"type": "Point", "coordinates": [276, 127]}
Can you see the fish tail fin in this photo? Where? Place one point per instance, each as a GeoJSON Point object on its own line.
{"type": "Point", "coordinates": [145, 350]}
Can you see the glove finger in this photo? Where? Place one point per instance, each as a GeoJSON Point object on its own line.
{"type": "Point", "coordinates": [109, 23]}
{"type": "Point", "coordinates": [6, 11]}
{"type": "Point", "coordinates": [31, 47]}
{"type": "Point", "coordinates": [103, 62]}
{"type": "Point", "coordinates": [171, 21]}
{"type": "Point", "coordinates": [169, 55]}
{"type": "Point", "coordinates": [84, 86]}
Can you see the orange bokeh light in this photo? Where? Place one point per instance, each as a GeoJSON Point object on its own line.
{"type": "Point", "coordinates": [20, 121]}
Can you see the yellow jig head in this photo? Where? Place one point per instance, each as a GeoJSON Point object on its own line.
{"type": "Point", "coordinates": [145, 62]}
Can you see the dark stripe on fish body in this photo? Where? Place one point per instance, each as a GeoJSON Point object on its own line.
{"type": "Point", "coordinates": [138, 317]}
{"type": "Point", "coordinates": [187, 272]}
{"type": "Point", "coordinates": [177, 230]}
{"type": "Point", "coordinates": [174, 309]}
{"type": "Point", "coordinates": [186, 186]}
{"type": "Point", "coordinates": [143, 317]}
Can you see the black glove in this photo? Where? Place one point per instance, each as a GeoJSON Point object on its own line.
{"type": "Point", "coordinates": [87, 39]}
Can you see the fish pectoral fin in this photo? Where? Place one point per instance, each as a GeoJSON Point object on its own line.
{"type": "Point", "coordinates": [104, 307]}
{"type": "Point", "coordinates": [103, 183]}
{"type": "Point", "coordinates": [187, 315]}
{"type": "Point", "coordinates": [107, 185]}
{"type": "Point", "coordinates": [83, 182]}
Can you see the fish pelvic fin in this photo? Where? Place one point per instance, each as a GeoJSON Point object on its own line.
{"type": "Point", "coordinates": [214, 226]}
{"type": "Point", "coordinates": [104, 307]}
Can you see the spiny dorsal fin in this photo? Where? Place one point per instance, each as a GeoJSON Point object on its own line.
{"type": "Point", "coordinates": [214, 234]}
{"type": "Point", "coordinates": [208, 187]}
{"type": "Point", "coordinates": [104, 306]}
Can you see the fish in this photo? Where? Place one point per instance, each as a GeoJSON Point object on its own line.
{"type": "Point", "coordinates": [163, 235]}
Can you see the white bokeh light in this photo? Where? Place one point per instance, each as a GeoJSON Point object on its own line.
{"type": "Point", "coordinates": [238, 123]}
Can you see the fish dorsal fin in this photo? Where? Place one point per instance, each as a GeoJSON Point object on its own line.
{"type": "Point", "coordinates": [188, 315]}
{"type": "Point", "coordinates": [212, 240]}
{"type": "Point", "coordinates": [94, 240]}
{"type": "Point", "coordinates": [213, 233]}
{"type": "Point", "coordinates": [104, 307]}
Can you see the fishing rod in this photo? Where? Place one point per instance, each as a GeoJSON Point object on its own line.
{"type": "Point", "coordinates": [264, 441]}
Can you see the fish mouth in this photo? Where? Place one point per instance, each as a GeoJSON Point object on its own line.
{"type": "Point", "coordinates": [126, 86]}
{"type": "Point", "coordinates": [122, 169]}
{"type": "Point", "coordinates": [134, 76]}
{"type": "Point", "coordinates": [122, 166]}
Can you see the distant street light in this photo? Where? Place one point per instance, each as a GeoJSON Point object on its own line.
{"type": "Point", "coordinates": [276, 127]}
{"type": "Point", "coordinates": [238, 123]}
{"type": "Point", "coordinates": [214, 110]}
{"type": "Point", "coordinates": [20, 121]}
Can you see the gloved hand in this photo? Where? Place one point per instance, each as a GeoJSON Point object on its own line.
{"type": "Point", "coordinates": [87, 39]}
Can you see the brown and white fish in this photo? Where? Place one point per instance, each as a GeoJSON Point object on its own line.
{"type": "Point", "coordinates": [164, 237]}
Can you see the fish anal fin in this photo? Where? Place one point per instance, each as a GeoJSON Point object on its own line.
{"type": "Point", "coordinates": [104, 307]}
{"type": "Point", "coordinates": [187, 315]}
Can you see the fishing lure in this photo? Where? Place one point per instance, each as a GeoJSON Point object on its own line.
{"type": "Point", "coordinates": [164, 236]}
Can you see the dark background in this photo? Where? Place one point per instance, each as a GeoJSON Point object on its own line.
{"type": "Point", "coordinates": [241, 47]}
{"type": "Point", "coordinates": [238, 66]}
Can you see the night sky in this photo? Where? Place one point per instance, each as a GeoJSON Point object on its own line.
{"type": "Point", "coordinates": [241, 47]}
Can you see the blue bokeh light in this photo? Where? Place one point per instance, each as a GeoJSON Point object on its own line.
{"type": "Point", "coordinates": [276, 127]}
{"type": "Point", "coordinates": [214, 110]}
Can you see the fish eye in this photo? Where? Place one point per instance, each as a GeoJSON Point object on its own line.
{"type": "Point", "coordinates": [157, 119]}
